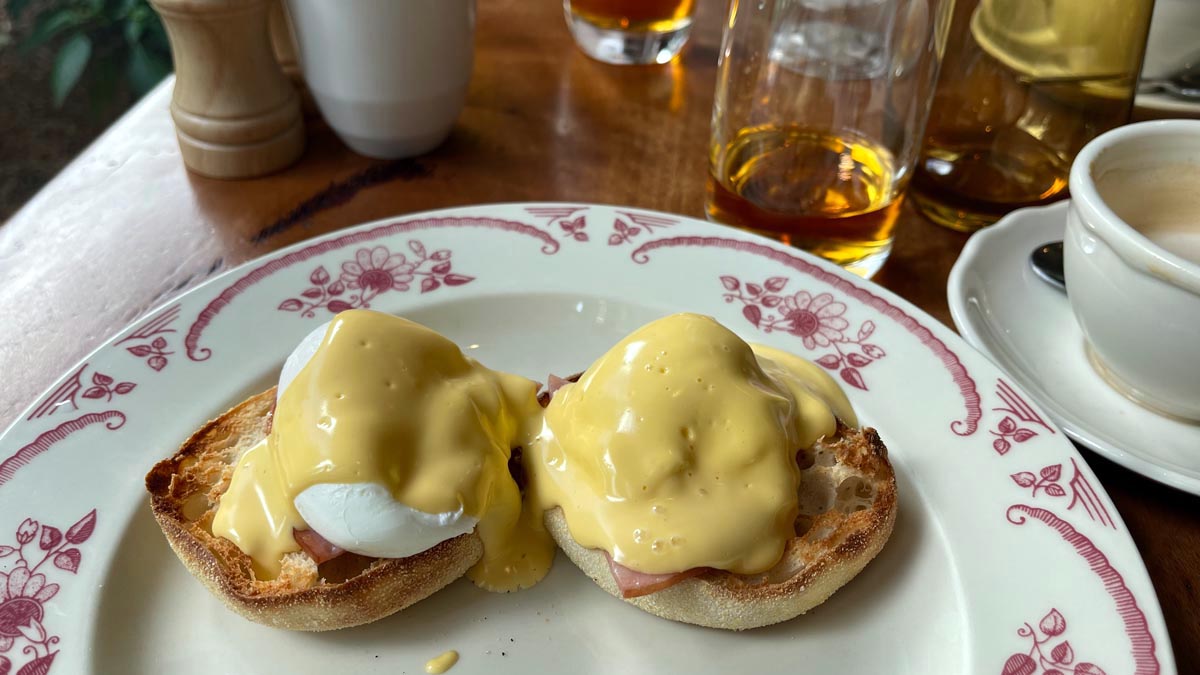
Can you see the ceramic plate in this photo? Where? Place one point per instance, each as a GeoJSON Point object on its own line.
{"type": "Point", "coordinates": [1002, 308]}
{"type": "Point", "coordinates": [1007, 555]}
{"type": "Point", "coordinates": [1174, 36]}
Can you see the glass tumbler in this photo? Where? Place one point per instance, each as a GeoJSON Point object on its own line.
{"type": "Point", "coordinates": [1025, 86]}
{"type": "Point", "coordinates": [819, 114]}
{"type": "Point", "coordinates": [630, 32]}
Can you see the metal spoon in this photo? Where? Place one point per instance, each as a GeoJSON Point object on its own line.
{"type": "Point", "coordinates": [1047, 262]}
{"type": "Point", "coordinates": [1183, 83]}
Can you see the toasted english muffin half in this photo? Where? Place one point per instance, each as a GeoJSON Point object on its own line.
{"type": "Point", "coordinates": [847, 512]}
{"type": "Point", "coordinates": [348, 590]}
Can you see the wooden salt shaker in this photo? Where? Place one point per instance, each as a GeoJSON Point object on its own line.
{"type": "Point", "coordinates": [236, 114]}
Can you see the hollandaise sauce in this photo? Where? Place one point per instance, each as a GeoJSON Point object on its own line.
{"type": "Point", "coordinates": [441, 663]}
{"type": "Point", "coordinates": [677, 448]}
{"type": "Point", "coordinates": [390, 402]}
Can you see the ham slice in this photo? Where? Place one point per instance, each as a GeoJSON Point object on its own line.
{"type": "Point", "coordinates": [317, 547]}
{"type": "Point", "coordinates": [634, 584]}
{"type": "Point", "coordinates": [555, 383]}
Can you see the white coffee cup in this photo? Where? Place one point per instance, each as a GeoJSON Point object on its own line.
{"type": "Point", "coordinates": [390, 76]}
{"type": "Point", "coordinates": [1137, 302]}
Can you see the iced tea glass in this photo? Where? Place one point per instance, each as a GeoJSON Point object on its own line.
{"type": "Point", "coordinates": [1026, 85]}
{"type": "Point", "coordinates": [630, 31]}
{"type": "Point", "coordinates": [819, 114]}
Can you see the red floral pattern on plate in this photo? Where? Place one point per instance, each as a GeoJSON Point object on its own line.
{"type": "Point", "coordinates": [572, 228]}
{"type": "Point", "coordinates": [106, 387]}
{"type": "Point", "coordinates": [154, 329]}
{"type": "Point", "coordinates": [1134, 619]}
{"type": "Point", "coordinates": [575, 228]}
{"type": "Point", "coordinates": [1008, 431]}
{"type": "Point", "coordinates": [818, 321]}
{"type": "Point", "coordinates": [374, 271]}
{"type": "Point", "coordinates": [113, 420]}
{"type": "Point", "coordinates": [1058, 659]}
{"type": "Point", "coordinates": [102, 386]}
{"type": "Point", "coordinates": [627, 226]}
{"type": "Point", "coordinates": [24, 590]}
{"type": "Point", "coordinates": [639, 223]}
{"type": "Point", "coordinates": [1082, 493]}
{"type": "Point", "coordinates": [1046, 481]}
{"type": "Point", "coordinates": [195, 352]}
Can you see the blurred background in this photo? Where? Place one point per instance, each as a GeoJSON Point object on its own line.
{"type": "Point", "coordinates": [68, 68]}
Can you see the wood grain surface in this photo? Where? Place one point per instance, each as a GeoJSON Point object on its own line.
{"type": "Point", "coordinates": [125, 227]}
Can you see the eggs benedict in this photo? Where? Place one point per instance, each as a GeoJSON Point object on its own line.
{"type": "Point", "coordinates": [696, 476]}
{"type": "Point", "coordinates": [386, 442]}
{"type": "Point", "coordinates": [680, 472]}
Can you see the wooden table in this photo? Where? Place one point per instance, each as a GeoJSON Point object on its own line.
{"type": "Point", "coordinates": [125, 226]}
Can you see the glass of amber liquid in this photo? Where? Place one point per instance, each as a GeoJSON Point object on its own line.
{"type": "Point", "coordinates": [819, 114]}
{"type": "Point", "coordinates": [1025, 86]}
{"type": "Point", "coordinates": [630, 31]}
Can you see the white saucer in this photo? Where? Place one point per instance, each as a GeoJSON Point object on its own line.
{"type": "Point", "coordinates": [1003, 309]}
{"type": "Point", "coordinates": [1174, 34]}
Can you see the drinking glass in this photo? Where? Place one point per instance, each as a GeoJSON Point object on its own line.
{"type": "Point", "coordinates": [819, 114]}
{"type": "Point", "coordinates": [630, 31]}
{"type": "Point", "coordinates": [1025, 86]}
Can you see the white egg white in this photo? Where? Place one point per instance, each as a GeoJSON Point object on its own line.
{"type": "Point", "coordinates": [299, 358]}
{"type": "Point", "coordinates": [363, 518]}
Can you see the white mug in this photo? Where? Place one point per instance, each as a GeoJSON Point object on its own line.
{"type": "Point", "coordinates": [390, 76]}
{"type": "Point", "coordinates": [1138, 303]}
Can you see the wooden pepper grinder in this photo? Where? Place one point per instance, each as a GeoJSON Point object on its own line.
{"type": "Point", "coordinates": [236, 114]}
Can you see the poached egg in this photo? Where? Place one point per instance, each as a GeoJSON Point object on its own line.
{"type": "Point", "coordinates": [387, 440]}
{"type": "Point", "coordinates": [365, 518]}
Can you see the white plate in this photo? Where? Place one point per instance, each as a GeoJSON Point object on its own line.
{"type": "Point", "coordinates": [1174, 37]}
{"type": "Point", "coordinates": [1003, 309]}
{"type": "Point", "coordinates": [1005, 547]}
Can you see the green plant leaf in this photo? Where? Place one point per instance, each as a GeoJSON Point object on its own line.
{"type": "Point", "coordinates": [68, 66]}
{"type": "Point", "coordinates": [49, 24]}
{"type": "Point", "coordinates": [140, 22]}
{"type": "Point", "coordinates": [133, 30]}
{"type": "Point", "coordinates": [145, 70]}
